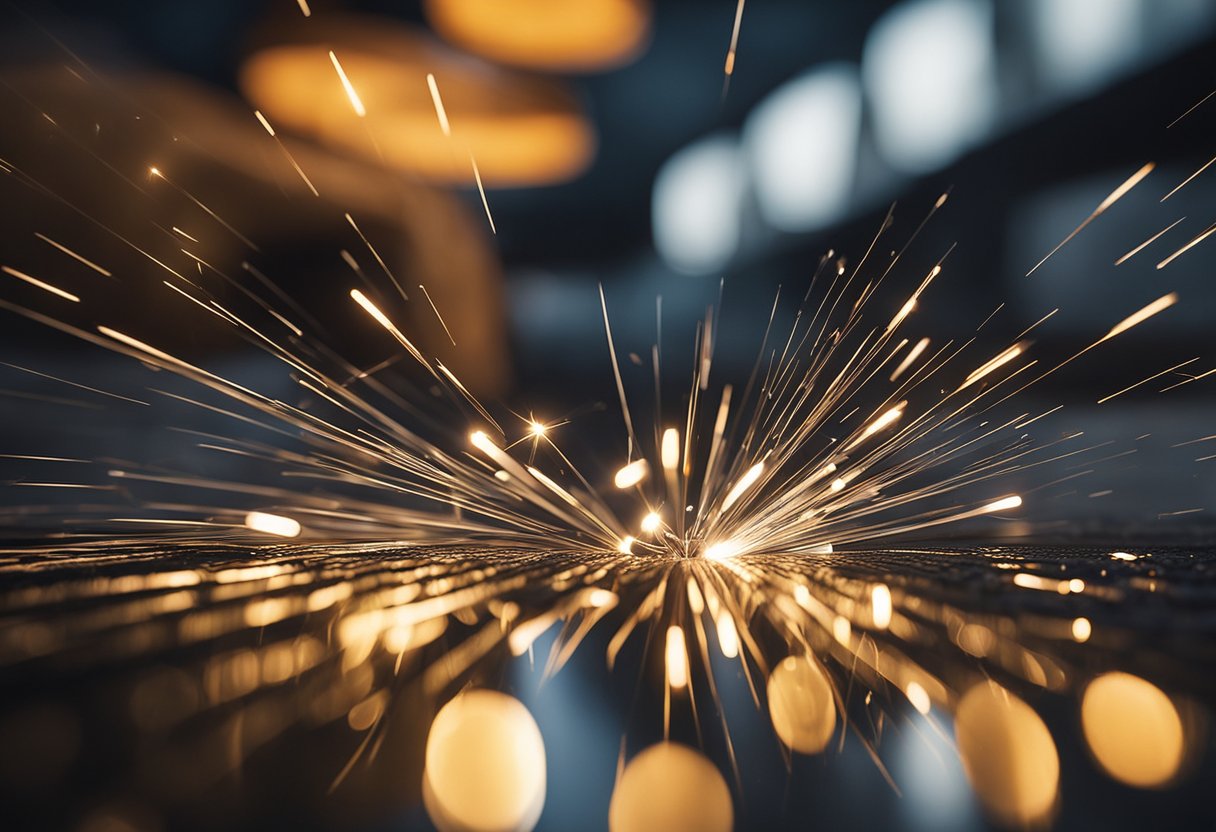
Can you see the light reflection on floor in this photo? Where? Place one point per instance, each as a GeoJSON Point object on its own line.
{"type": "Point", "coordinates": [169, 687]}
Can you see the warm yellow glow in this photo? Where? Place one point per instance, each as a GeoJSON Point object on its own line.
{"type": "Point", "coordinates": [523, 130]}
{"type": "Point", "coordinates": [537, 429]}
{"type": "Point", "coordinates": [625, 547]}
{"type": "Point", "coordinates": [842, 630]}
{"type": "Point", "coordinates": [696, 600]}
{"type": "Point", "coordinates": [481, 442]}
{"type": "Point", "coordinates": [631, 474]}
{"type": "Point", "coordinates": [651, 522]}
{"type": "Point", "coordinates": [722, 550]}
{"type": "Point", "coordinates": [676, 656]}
{"type": "Point", "coordinates": [1008, 755]}
{"type": "Point", "coordinates": [728, 636]}
{"type": "Point", "coordinates": [1133, 730]}
{"type": "Point", "coordinates": [546, 34]}
{"type": "Point", "coordinates": [670, 450]}
{"type": "Point", "coordinates": [600, 598]}
{"type": "Point", "coordinates": [260, 521]}
{"type": "Point", "coordinates": [485, 765]}
{"type": "Point", "coordinates": [801, 705]}
{"type": "Point", "coordinates": [673, 788]}
{"type": "Point", "coordinates": [1081, 629]}
{"type": "Point", "coordinates": [880, 605]}
{"type": "Point", "coordinates": [919, 697]}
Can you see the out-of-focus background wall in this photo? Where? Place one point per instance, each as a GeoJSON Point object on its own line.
{"type": "Point", "coordinates": [614, 151]}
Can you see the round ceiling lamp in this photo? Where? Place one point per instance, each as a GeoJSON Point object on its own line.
{"type": "Point", "coordinates": [554, 35]}
{"type": "Point", "coordinates": [361, 85]}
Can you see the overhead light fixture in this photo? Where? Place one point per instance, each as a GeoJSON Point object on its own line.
{"type": "Point", "coordinates": [929, 71]}
{"type": "Point", "coordinates": [546, 34]}
{"type": "Point", "coordinates": [801, 145]}
{"type": "Point", "coordinates": [696, 205]}
{"type": "Point", "coordinates": [361, 86]}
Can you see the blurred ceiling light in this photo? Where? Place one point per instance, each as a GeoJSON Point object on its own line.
{"type": "Point", "coordinates": [929, 70]}
{"type": "Point", "coordinates": [801, 145]}
{"type": "Point", "coordinates": [546, 34]}
{"type": "Point", "coordinates": [523, 130]}
{"type": "Point", "coordinates": [1083, 43]}
{"type": "Point", "coordinates": [696, 205]}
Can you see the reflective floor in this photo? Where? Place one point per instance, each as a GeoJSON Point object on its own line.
{"type": "Point", "coordinates": [156, 686]}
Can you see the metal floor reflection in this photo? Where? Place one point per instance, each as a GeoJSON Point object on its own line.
{"type": "Point", "coordinates": [155, 686]}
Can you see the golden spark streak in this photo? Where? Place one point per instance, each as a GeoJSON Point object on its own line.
{"type": "Point", "coordinates": [1147, 243]}
{"type": "Point", "coordinates": [380, 260]}
{"type": "Point", "coordinates": [1002, 504]}
{"type": "Point", "coordinates": [1147, 380]}
{"type": "Point", "coordinates": [885, 420]}
{"type": "Point", "coordinates": [307, 12]}
{"type": "Point", "coordinates": [1159, 305]}
{"type": "Point", "coordinates": [438, 101]}
{"type": "Point", "coordinates": [33, 281]}
{"type": "Point", "coordinates": [96, 390]}
{"type": "Point", "coordinates": [1195, 241]}
{"type": "Point", "coordinates": [1190, 109]}
{"type": "Point", "coordinates": [435, 309]}
{"type": "Point", "coordinates": [264, 122]}
{"type": "Point", "coordinates": [729, 67]}
{"type": "Point", "coordinates": [275, 524]}
{"type": "Point", "coordinates": [73, 255]}
{"type": "Point", "coordinates": [1189, 179]}
{"type": "Point", "coordinates": [355, 102]}
{"type": "Point", "coordinates": [903, 312]}
{"type": "Point", "coordinates": [481, 189]}
{"type": "Point", "coordinates": [994, 364]}
{"type": "Point", "coordinates": [382, 319]}
{"type": "Point", "coordinates": [1113, 197]}
{"type": "Point", "coordinates": [745, 482]}
{"type": "Point", "coordinates": [159, 174]}
{"type": "Point", "coordinates": [909, 358]}
{"type": "Point", "coordinates": [1188, 380]}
